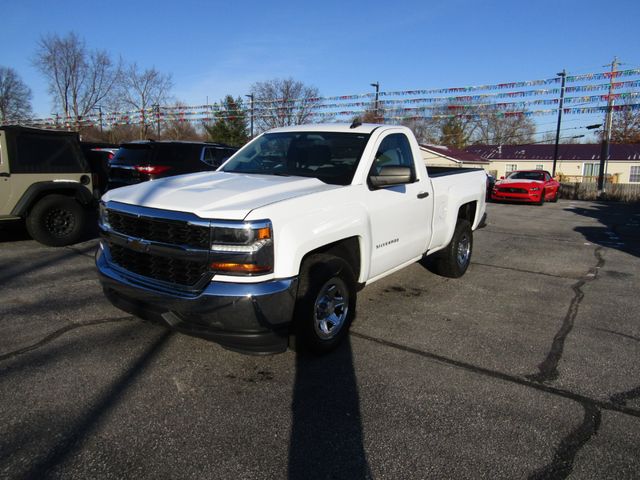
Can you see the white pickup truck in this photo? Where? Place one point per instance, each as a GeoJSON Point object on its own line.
{"type": "Point", "coordinates": [276, 244]}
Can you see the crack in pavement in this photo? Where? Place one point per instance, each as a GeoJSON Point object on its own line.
{"type": "Point", "coordinates": [548, 369]}
{"type": "Point", "coordinates": [523, 270]}
{"type": "Point", "coordinates": [613, 332]}
{"type": "Point", "coordinates": [52, 336]}
{"type": "Point", "coordinates": [523, 381]}
{"type": "Point", "coordinates": [622, 397]}
{"type": "Point", "coordinates": [562, 464]}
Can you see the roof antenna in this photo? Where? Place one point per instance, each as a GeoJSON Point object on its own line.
{"type": "Point", "coordinates": [356, 123]}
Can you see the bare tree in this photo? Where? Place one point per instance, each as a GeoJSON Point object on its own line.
{"type": "Point", "coordinates": [180, 128]}
{"type": "Point", "coordinates": [504, 128]}
{"type": "Point", "coordinates": [283, 102]}
{"type": "Point", "coordinates": [144, 91]}
{"type": "Point", "coordinates": [79, 79]}
{"type": "Point", "coordinates": [15, 96]}
{"type": "Point", "coordinates": [625, 126]}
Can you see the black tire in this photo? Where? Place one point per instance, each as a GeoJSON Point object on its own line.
{"type": "Point", "coordinates": [454, 260]}
{"type": "Point", "coordinates": [57, 220]}
{"type": "Point", "coordinates": [326, 303]}
{"type": "Point", "coordinates": [556, 196]}
{"type": "Point", "coordinates": [541, 202]}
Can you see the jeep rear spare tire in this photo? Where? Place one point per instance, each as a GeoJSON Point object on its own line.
{"type": "Point", "coordinates": [57, 220]}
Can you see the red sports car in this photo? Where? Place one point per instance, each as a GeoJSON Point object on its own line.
{"type": "Point", "coordinates": [535, 186]}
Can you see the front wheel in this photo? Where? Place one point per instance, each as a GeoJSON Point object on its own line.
{"type": "Point", "coordinates": [326, 303]}
{"type": "Point", "coordinates": [542, 194]}
{"type": "Point", "coordinates": [454, 260]}
{"type": "Point", "coordinates": [556, 196]}
{"type": "Point", "coordinates": [57, 220]}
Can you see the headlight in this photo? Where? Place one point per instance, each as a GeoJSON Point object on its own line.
{"type": "Point", "coordinates": [242, 248]}
{"type": "Point", "coordinates": [103, 218]}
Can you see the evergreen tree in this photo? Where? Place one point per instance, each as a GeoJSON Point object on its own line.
{"type": "Point", "coordinates": [230, 126]}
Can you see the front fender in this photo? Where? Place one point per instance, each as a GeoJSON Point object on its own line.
{"type": "Point", "coordinates": [302, 225]}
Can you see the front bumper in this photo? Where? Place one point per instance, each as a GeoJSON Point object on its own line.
{"type": "Point", "coordinates": [533, 197]}
{"type": "Point", "coordinates": [246, 317]}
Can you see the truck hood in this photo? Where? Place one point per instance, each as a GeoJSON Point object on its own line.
{"type": "Point", "coordinates": [220, 195]}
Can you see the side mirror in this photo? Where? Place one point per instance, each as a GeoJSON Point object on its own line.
{"type": "Point", "coordinates": [502, 178]}
{"type": "Point", "coordinates": [390, 176]}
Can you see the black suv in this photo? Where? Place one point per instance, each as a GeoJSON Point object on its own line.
{"type": "Point", "coordinates": [137, 162]}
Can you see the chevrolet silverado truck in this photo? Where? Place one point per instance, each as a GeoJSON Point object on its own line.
{"type": "Point", "coordinates": [273, 247]}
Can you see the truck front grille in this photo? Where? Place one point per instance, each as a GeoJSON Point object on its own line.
{"type": "Point", "coordinates": [173, 232]}
{"type": "Point", "coordinates": [173, 270]}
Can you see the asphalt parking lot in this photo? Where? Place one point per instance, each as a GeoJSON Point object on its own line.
{"type": "Point", "coordinates": [527, 367]}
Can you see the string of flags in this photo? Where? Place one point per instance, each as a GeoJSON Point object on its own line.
{"type": "Point", "coordinates": [503, 99]}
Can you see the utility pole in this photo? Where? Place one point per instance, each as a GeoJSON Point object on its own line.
{"type": "Point", "coordinates": [156, 106]}
{"type": "Point", "coordinates": [563, 75]}
{"type": "Point", "coordinates": [606, 135]}
{"type": "Point", "coordinates": [99, 107]}
{"type": "Point", "coordinates": [251, 96]}
{"type": "Point", "coordinates": [377, 87]}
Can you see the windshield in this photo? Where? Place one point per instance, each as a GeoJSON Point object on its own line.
{"type": "Point", "coordinates": [328, 156]}
{"type": "Point", "coordinates": [526, 176]}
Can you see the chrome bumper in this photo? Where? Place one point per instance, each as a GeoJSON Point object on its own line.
{"type": "Point", "coordinates": [248, 317]}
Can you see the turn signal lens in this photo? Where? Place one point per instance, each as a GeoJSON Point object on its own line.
{"type": "Point", "coordinates": [264, 233]}
{"type": "Point", "coordinates": [239, 267]}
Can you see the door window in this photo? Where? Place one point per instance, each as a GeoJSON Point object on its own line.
{"type": "Point", "coordinates": [394, 151]}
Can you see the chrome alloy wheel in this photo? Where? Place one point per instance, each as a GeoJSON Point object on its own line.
{"type": "Point", "coordinates": [331, 308]}
{"type": "Point", "coordinates": [464, 250]}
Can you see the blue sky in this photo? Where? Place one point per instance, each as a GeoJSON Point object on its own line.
{"type": "Point", "coordinates": [213, 48]}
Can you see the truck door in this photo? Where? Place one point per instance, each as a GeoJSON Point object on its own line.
{"type": "Point", "coordinates": [401, 214]}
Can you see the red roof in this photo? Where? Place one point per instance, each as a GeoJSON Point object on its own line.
{"type": "Point", "coordinates": [455, 153]}
{"type": "Point", "coordinates": [569, 151]}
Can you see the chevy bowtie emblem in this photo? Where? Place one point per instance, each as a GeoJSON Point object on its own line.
{"type": "Point", "coordinates": [138, 245]}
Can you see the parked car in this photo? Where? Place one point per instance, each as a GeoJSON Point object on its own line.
{"type": "Point", "coordinates": [534, 186]}
{"type": "Point", "coordinates": [282, 237]}
{"type": "Point", "coordinates": [137, 162]}
{"type": "Point", "coordinates": [46, 181]}
{"type": "Point", "coordinates": [99, 155]}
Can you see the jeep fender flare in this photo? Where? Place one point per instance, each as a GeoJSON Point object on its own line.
{"type": "Point", "coordinates": [39, 189]}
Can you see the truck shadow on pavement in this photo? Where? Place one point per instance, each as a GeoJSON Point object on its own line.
{"type": "Point", "coordinates": [326, 435]}
{"type": "Point", "coordinates": [620, 226]}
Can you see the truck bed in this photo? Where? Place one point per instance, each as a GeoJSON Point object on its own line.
{"type": "Point", "coordinates": [443, 171]}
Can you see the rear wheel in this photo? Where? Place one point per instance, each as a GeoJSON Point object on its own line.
{"type": "Point", "coordinates": [454, 260]}
{"type": "Point", "coordinates": [57, 220]}
{"type": "Point", "coordinates": [326, 303]}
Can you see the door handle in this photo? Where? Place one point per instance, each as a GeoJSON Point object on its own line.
{"type": "Point", "coordinates": [5, 174]}
{"type": "Point", "coordinates": [423, 194]}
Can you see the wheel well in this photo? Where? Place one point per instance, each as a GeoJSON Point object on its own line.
{"type": "Point", "coordinates": [468, 211]}
{"type": "Point", "coordinates": [37, 192]}
{"type": "Point", "coordinates": [46, 193]}
{"type": "Point", "coordinates": [348, 249]}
